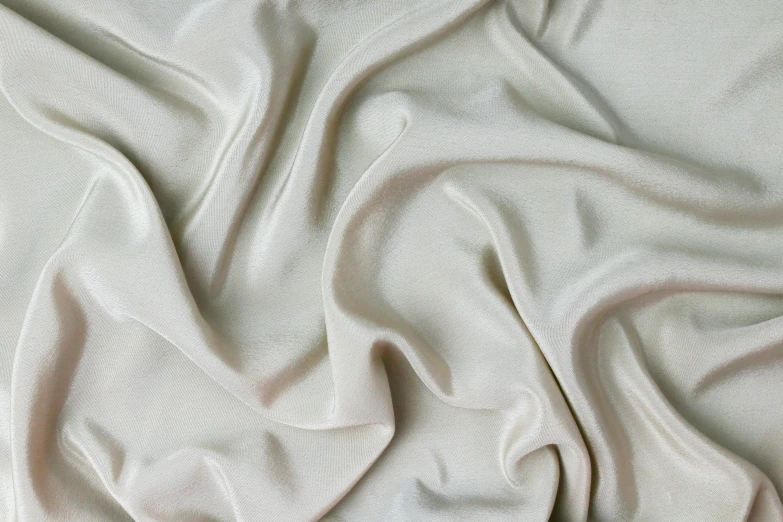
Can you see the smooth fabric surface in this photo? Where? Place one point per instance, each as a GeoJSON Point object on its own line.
{"type": "Point", "coordinates": [391, 260]}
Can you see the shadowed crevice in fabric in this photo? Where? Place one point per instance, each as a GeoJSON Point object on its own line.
{"type": "Point", "coordinates": [271, 387]}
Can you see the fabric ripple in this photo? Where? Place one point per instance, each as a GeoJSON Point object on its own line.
{"type": "Point", "coordinates": [391, 260]}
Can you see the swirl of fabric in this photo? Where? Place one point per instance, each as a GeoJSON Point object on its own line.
{"type": "Point", "coordinates": [391, 260]}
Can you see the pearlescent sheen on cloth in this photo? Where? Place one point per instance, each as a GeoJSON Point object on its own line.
{"type": "Point", "coordinates": [391, 260]}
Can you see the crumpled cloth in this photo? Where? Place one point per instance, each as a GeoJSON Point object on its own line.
{"type": "Point", "coordinates": [391, 260]}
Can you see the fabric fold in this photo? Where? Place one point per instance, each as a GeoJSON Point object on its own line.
{"type": "Point", "coordinates": [390, 260]}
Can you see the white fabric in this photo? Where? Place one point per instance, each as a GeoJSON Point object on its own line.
{"type": "Point", "coordinates": [391, 260]}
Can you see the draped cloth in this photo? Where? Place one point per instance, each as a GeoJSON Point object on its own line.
{"type": "Point", "coordinates": [391, 260]}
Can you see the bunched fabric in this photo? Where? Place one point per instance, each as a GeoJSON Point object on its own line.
{"type": "Point", "coordinates": [391, 260]}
